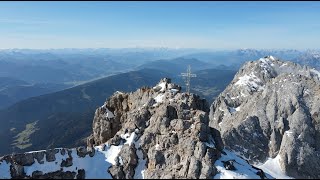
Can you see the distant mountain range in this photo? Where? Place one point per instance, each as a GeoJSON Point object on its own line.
{"type": "Point", "coordinates": [13, 90]}
{"type": "Point", "coordinates": [64, 118]}
{"type": "Point", "coordinates": [75, 66]}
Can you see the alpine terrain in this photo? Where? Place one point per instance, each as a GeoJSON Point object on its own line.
{"type": "Point", "coordinates": [264, 125]}
{"type": "Point", "coordinates": [269, 114]}
{"type": "Point", "coordinates": [156, 132]}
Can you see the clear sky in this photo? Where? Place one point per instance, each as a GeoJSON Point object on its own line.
{"type": "Point", "coordinates": [216, 25]}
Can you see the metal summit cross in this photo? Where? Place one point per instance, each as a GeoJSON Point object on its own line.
{"type": "Point", "coordinates": [188, 77]}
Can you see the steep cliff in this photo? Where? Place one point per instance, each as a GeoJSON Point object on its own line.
{"type": "Point", "coordinates": [269, 114]}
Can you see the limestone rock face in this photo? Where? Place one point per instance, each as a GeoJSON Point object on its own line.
{"type": "Point", "coordinates": [272, 108]}
{"type": "Point", "coordinates": [172, 132]}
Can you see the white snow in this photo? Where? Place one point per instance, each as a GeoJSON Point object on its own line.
{"type": "Point", "coordinates": [109, 114]}
{"type": "Point", "coordinates": [112, 153]}
{"type": "Point", "coordinates": [162, 85]}
{"type": "Point", "coordinates": [91, 165]}
{"type": "Point", "coordinates": [315, 72]}
{"type": "Point", "coordinates": [139, 171]}
{"type": "Point", "coordinates": [272, 167]}
{"type": "Point", "coordinates": [288, 133]}
{"type": "Point", "coordinates": [272, 58]}
{"type": "Point", "coordinates": [244, 170]}
{"type": "Point", "coordinates": [95, 167]}
{"type": "Point", "coordinates": [120, 160]}
{"type": "Point", "coordinates": [251, 81]}
{"type": "Point", "coordinates": [234, 97]}
{"type": "Point", "coordinates": [5, 170]}
{"type": "Point", "coordinates": [174, 90]}
{"type": "Point", "coordinates": [119, 92]}
{"type": "Point", "coordinates": [157, 147]}
{"type": "Point", "coordinates": [232, 109]}
{"type": "Point", "coordinates": [284, 64]}
{"type": "Point", "coordinates": [242, 94]}
{"type": "Point", "coordinates": [266, 64]}
{"type": "Point", "coordinates": [159, 98]}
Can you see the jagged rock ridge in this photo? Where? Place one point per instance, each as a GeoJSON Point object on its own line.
{"type": "Point", "coordinates": [270, 112]}
{"type": "Point", "coordinates": [154, 132]}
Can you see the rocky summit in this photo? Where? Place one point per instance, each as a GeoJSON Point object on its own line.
{"type": "Point", "coordinates": [265, 124]}
{"type": "Point", "coordinates": [269, 114]}
{"type": "Point", "coordinates": [154, 132]}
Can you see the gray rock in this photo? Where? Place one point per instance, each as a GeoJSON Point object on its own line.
{"type": "Point", "coordinates": [229, 165]}
{"type": "Point", "coordinates": [271, 108]}
{"type": "Point", "coordinates": [39, 156]}
{"type": "Point", "coordinates": [129, 159]}
{"type": "Point", "coordinates": [81, 174]}
{"type": "Point", "coordinates": [51, 155]}
{"type": "Point", "coordinates": [25, 159]}
{"type": "Point", "coordinates": [17, 171]}
{"type": "Point", "coordinates": [82, 151]}
{"type": "Point", "coordinates": [66, 163]}
{"type": "Point", "coordinates": [116, 172]}
{"type": "Point", "coordinates": [37, 174]}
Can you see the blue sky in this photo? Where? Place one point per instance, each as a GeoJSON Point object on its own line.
{"type": "Point", "coordinates": [214, 25]}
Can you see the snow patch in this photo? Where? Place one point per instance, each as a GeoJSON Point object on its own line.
{"type": "Point", "coordinates": [119, 92]}
{"type": "Point", "coordinates": [139, 171]}
{"type": "Point", "coordinates": [4, 170]}
{"type": "Point", "coordinates": [162, 85]}
{"type": "Point", "coordinates": [157, 147]}
{"type": "Point", "coordinates": [284, 64]}
{"type": "Point", "coordinates": [272, 167]}
{"type": "Point", "coordinates": [91, 165]}
{"type": "Point", "coordinates": [243, 169]}
{"type": "Point", "coordinates": [271, 57]}
{"type": "Point", "coordinates": [266, 64]}
{"type": "Point", "coordinates": [109, 114]}
{"type": "Point", "coordinates": [288, 133]}
{"type": "Point", "coordinates": [159, 98]}
{"type": "Point", "coordinates": [315, 72]}
{"type": "Point", "coordinates": [251, 81]}
{"type": "Point", "coordinates": [232, 109]}
{"type": "Point", "coordinates": [95, 167]}
{"type": "Point", "coordinates": [234, 97]}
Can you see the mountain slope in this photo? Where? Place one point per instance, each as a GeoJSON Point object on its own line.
{"type": "Point", "coordinates": [152, 133]}
{"type": "Point", "coordinates": [13, 90]}
{"type": "Point", "coordinates": [310, 58]}
{"type": "Point", "coordinates": [63, 118]}
{"type": "Point", "coordinates": [176, 65]}
{"type": "Point", "coordinates": [70, 111]}
{"type": "Point", "coordinates": [269, 115]}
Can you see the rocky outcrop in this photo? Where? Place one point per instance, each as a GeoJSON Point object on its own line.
{"type": "Point", "coordinates": [272, 108]}
{"type": "Point", "coordinates": [154, 132]}
{"type": "Point", "coordinates": [172, 132]}
{"type": "Point", "coordinates": [18, 163]}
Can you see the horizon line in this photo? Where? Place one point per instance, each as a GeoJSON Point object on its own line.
{"type": "Point", "coordinates": [160, 47]}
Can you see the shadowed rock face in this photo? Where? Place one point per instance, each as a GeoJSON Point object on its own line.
{"type": "Point", "coordinates": [272, 107]}
{"type": "Point", "coordinates": [173, 136]}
